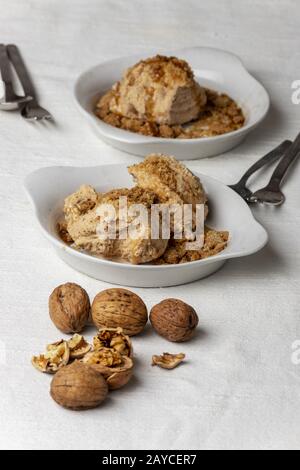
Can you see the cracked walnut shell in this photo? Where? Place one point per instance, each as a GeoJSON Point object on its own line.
{"type": "Point", "coordinates": [113, 338]}
{"type": "Point", "coordinates": [167, 360]}
{"type": "Point", "coordinates": [78, 346]}
{"type": "Point", "coordinates": [57, 355]}
{"type": "Point", "coordinates": [115, 368]}
{"type": "Point", "coordinates": [69, 308]}
{"type": "Point", "coordinates": [117, 307]}
{"type": "Point", "coordinates": [78, 387]}
{"type": "Point", "coordinates": [174, 320]}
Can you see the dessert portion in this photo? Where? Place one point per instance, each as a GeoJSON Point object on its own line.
{"type": "Point", "coordinates": [160, 97]}
{"type": "Point", "coordinates": [176, 253]}
{"type": "Point", "coordinates": [169, 179]}
{"type": "Point", "coordinates": [159, 89]}
{"type": "Point", "coordinates": [159, 179]}
{"type": "Point", "coordinates": [83, 214]}
{"type": "Point", "coordinates": [79, 203]}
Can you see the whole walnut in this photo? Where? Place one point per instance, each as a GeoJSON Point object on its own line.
{"type": "Point", "coordinates": [78, 387]}
{"type": "Point", "coordinates": [69, 308]}
{"type": "Point", "coordinates": [113, 308]}
{"type": "Point", "coordinates": [174, 320]}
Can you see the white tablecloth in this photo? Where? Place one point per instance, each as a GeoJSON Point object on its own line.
{"type": "Point", "coordinates": [239, 387]}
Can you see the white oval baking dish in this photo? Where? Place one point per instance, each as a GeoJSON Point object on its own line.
{"type": "Point", "coordinates": [213, 68]}
{"type": "Point", "coordinates": [47, 188]}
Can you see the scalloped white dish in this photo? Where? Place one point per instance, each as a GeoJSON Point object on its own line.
{"type": "Point", "coordinates": [48, 187]}
{"type": "Point", "coordinates": [213, 68]}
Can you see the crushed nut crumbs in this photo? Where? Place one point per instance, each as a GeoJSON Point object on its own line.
{"type": "Point", "coordinates": [221, 115]}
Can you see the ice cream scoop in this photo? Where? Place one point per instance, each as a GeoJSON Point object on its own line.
{"type": "Point", "coordinates": [159, 89]}
{"type": "Point", "coordinates": [169, 179]}
{"type": "Point", "coordinates": [173, 183]}
{"type": "Point", "coordinates": [84, 212]}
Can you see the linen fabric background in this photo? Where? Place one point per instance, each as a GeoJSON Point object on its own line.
{"type": "Point", "coordinates": [239, 387]}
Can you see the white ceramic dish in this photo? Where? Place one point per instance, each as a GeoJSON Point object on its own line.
{"type": "Point", "coordinates": [48, 187]}
{"type": "Point", "coordinates": [213, 68]}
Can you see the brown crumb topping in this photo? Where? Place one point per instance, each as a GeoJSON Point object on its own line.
{"type": "Point", "coordinates": [220, 116]}
{"type": "Point", "coordinates": [214, 242]}
{"type": "Point", "coordinates": [176, 252]}
{"type": "Point", "coordinates": [163, 68]}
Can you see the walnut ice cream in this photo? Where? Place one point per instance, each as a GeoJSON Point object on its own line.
{"type": "Point", "coordinates": [159, 179]}
{"type": "Point", "coordinates": [169, 179]}
{"type": "Point", "coordinates": [83, 217]}
{"type": "Point", "coordinates": [160, 97]}
{"type": "Point", "coordinates": [160, 89]}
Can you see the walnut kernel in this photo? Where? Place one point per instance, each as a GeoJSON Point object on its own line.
{"type": "Point", "coordinates": [167, 360]}
{"type": "Point", "coordinates": [113, 338]}
{"type": "Point", "coordinates": [56, 356]}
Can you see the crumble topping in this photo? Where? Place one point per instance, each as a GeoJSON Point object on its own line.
{"type": "Point", "coordinates": [176, 253]}
{"type": "Point", "coordinates": [220, 116]}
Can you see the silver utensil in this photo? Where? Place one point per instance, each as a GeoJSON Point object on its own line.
{"type": "Point", "coordinates": [272, 194]}
{"type": "Point", "coordinates": [31, 110]}
{"type": "Point", "coordinates": [241, 187]}
{"type": "Point", "coordinates": [10, 101]}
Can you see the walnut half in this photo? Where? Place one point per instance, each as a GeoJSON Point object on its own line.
{"type": "Point", "coordinates": [113, 338]}
{"type": "Point", "coordinates": [115, 368]}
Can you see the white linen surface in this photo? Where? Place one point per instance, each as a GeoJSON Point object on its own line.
{"type": "Point", "coordinates": [239, 387]}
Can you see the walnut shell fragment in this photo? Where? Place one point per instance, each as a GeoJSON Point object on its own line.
{"type": "Point", "coordinates": [56, 356]}
{"type": "Point", "coordinates": [78, 387]}
{"type": "Point", "coordinates": [78, 346]}
{"type": "Point", "coordinates": [167, 360]}
{"type": "Point", "coordinates": [115, 368]}
{"type": "Point", "coordinates": [117, 307]}
{"type": "Point", "coordinates": [113, 338]}
{"type": "Point", "coordinates": [174, 320]}
{"type": "Point", "coordinates": [69, 308]}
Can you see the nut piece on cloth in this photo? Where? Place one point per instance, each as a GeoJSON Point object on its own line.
{"type": "Point", "coordinates": [78, 387]}
{"type": "Point", "coordinates": [174, 320]}
{"type": "Point", "coordinates": [116, 368]}
{"type": "Point", "coordinates": [69, 308]}
{"type": "Point", "coordinates": [113, 338]}
{"type": "Point", "coordinates": [117, 307]}
{"type": "Point", "coordinates": [78, 346]}
{"type": "Point", "coordinates": [167, 360]}
{"type": "Point", "coordinates": [160, 90]}
{"type": "Point", "coordinates": [56, 356]}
